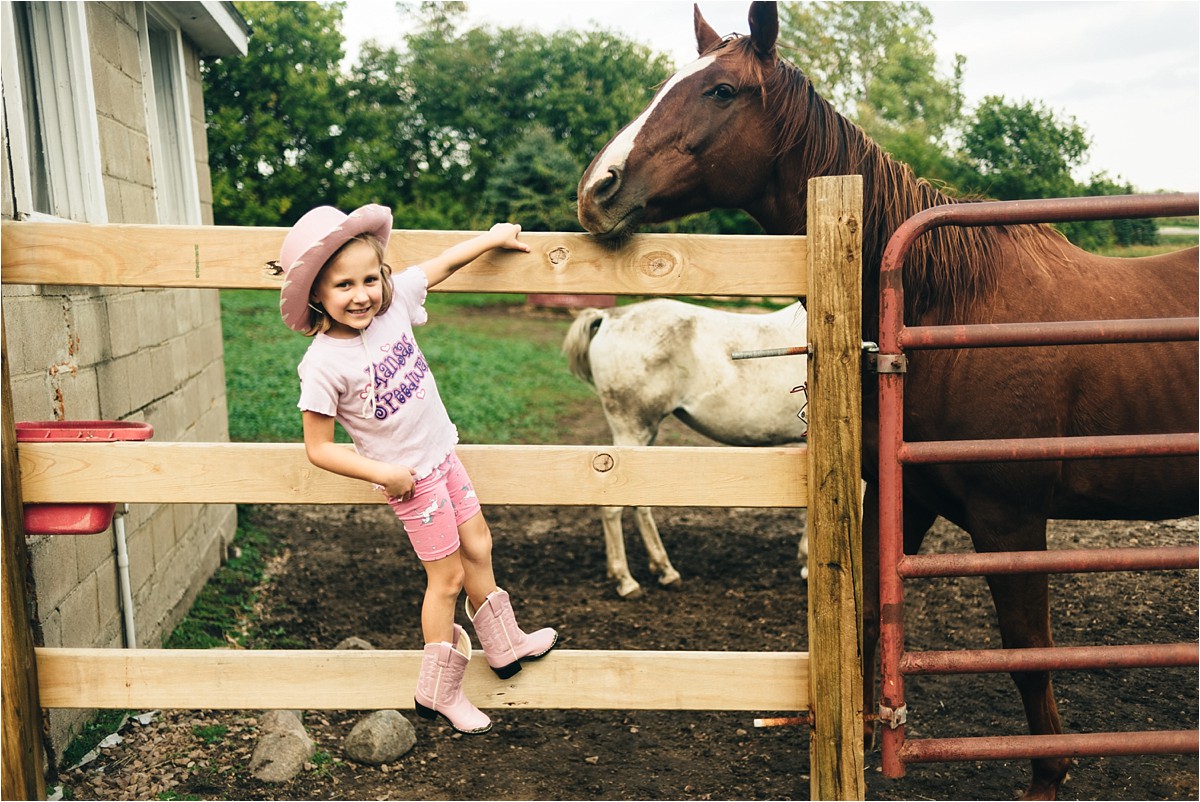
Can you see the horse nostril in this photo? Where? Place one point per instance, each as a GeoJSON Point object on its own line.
{"type": "Point", "coordinates": [609, 185]}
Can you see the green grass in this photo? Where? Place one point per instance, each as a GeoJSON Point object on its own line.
{"type": "Point", "coordinates": [222, 612]}
{"type": "Point", "coordinates": [104, 724]}
{"type": "Point", "coordinates": [261, 355]}
{"type": "Point", "coordinates": [322, 764]}
{"type": "Point", "coordinates": [501, 376]}
{"type": "Point", "coordinates": [211, 733]}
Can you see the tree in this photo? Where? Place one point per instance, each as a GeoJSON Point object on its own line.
{"type": "Point", "coordinates": [273, 117]}
{"type": "Point", "coordinates": [530, 184]}
{"type": "Point", "coordinates": [1102, 233]}
{"type": "Point", "coordinates": [476, 94]}
{"type": "Point", "coordinates": [420, 127]}
{"type": "Point", "coordinates": [1023, 150]}
{"type": "Point", "coordinates": [876, 63]}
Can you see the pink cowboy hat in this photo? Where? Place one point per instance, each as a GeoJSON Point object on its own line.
{"type": "Point", "coordinates": [307, 247]}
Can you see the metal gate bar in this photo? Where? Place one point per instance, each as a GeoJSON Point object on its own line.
{"type": "Point", "coordinates": [1053, 658]}
{"type": "Point", "coordinates": [894, 452]}
{"type": "Point", "coordinates": [1009, 747]}
{"type": "Point", "coordinates": [1071, 332]}
{"type": "Point", "coordinates": [1049, 448]}
{"type": "Point", "coordinates": [1054, 561]}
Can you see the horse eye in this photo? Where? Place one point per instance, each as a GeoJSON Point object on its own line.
{"type": "Point", "coordinates": [723, 92]}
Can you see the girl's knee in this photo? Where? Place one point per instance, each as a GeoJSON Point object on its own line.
{"type": "Point", "coordinates": [445, 577]}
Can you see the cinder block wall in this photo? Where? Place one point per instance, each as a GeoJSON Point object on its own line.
{"type": "Point", "coordinates": [119, 354]}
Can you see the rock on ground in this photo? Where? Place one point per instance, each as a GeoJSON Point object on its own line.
{"type": "Point", "coordinates": [283, 747]}
{"type": "Point", "coordinates": [380, 738]}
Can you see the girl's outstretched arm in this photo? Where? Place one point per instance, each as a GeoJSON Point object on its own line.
{"type": "Point", "coordinates": [322, 451]}
{"type": "Point", "coordinates": [442, 266]}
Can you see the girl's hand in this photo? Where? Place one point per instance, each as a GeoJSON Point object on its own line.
{"type": "Point", "coordinates": [398, 482]}
{"type": "Point", "coordinates": [507, 234]}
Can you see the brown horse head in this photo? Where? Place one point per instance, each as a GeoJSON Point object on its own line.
{"type": "Point", "coordinates": [742, 128]}
{"type": "Point", "coordinates": [707, 140]}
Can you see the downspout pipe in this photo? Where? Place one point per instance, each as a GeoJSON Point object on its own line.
{"type": "Point", "coordinates": [123, 576]}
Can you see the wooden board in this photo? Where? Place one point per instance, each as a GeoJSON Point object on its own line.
{"type": "Point", "coordinates": [116, 255]}
{"type": "Point", "coordinates": [141, 679]}
{"type": "Point", "coordinates": [280, 473]}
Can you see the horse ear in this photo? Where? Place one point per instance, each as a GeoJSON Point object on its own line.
{"type": "Point", "coordinates": [764, 28]}
{"type": "Point", "coordinates": [706, 37]}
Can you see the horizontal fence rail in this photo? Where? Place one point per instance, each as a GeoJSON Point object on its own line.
{"type": "Point", "coordinates": [348, 679]}
{"type": "Point", "coordinates": [258, 473]}
{"type": "Point", "coordinates": [232, 257]}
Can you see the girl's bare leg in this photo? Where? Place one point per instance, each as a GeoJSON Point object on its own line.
{"type": "Point", "coordinates": [443, 583]}
{"type": "Point", "coordinates": [476, 554]}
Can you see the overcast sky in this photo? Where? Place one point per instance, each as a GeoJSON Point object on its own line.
{"type": "Point", "coordinates": [1127, 70]}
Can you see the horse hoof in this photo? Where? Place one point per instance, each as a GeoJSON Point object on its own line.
{"type": "Point", "coordinates": [1045, 790]}
{"type": "Point", "coordinates": [671, 580]}
{"type": "Point", "coordinates": [804, 573]}
{"type": "Point", "coordinates": [629, 591]}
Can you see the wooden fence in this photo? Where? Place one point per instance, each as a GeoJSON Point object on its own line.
{"type": "Point", "coordinates": [824, 476]}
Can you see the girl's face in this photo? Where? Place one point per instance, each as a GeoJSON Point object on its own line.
{"type": "Point", "coordinates": [350, 288]}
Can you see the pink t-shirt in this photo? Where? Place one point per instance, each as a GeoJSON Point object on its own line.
{"type": "Point", "coordinates": [410, 425]}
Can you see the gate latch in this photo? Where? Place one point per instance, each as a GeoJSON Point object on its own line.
{"type": "Point", "coordinates": [887, 363]}
{"type": "Point", "coordinates": [893, 717]}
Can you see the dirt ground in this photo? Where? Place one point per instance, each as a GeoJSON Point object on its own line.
{"type": "Point", "coordinates": [347, 571]}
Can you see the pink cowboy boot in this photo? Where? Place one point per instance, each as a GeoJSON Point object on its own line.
{"type": "Point", "coordinates": [504, 644]}
{"type": "Point", "coordinates": [439, 686]}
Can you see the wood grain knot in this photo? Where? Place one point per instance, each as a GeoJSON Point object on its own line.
{"type": "Point", "coordinates": [657, 264]}
{"type": "Point", "coordinates": [602, 463]}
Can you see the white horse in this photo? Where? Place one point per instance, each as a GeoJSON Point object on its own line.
{"type": "Point", "coordinates": [657, 358]}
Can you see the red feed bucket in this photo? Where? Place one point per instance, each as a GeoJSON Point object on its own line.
{"type": "Point", "coordinates": [75, 519]}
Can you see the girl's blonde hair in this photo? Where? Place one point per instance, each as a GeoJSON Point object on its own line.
{"type": "Point", "coordinates": [318, 320]}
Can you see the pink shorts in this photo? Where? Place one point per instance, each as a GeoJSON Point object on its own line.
{"type": "Point", "coordinates": [440, 503]}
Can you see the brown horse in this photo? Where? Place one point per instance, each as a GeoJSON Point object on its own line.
{"type": "Point", "coordinates": [742, 128]}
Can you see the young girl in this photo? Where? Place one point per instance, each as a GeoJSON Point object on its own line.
{"type": "Point", "coordinates": [364, 370]}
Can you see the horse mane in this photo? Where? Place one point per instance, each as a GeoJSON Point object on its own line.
{"type": "Point", "coordinates": [946, 267]}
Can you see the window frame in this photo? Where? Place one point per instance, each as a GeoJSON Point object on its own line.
{"type": "Point", "coordinates": [176, 190]}
{"type": "Point", "coordinates": [63, 74]}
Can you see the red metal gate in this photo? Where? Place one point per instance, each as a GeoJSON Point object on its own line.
{"type": "Point", "coordinates": [894, 453]}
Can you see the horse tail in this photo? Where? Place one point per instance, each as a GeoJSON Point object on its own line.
{"type": "Point", "coordinates": [579, 339]}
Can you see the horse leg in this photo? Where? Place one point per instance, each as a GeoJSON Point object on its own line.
{"type": "Point", "coordinates": [660, 563]}
{"type": "Point", "coordinates": [614, 550]}
{"type": "Point", "coordinates": [802, 550]}
{"type": "Point", "coordinates": [917, 520]}
{"type": "Point", "coordinates": [633, 428]}
{"type": "Point", "coordinates": [1023, 609]}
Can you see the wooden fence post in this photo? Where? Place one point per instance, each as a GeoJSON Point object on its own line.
{"type": "Point", "coordinates": [21, 775]}
{"type": "Point", "coordinates": [835, 634]}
